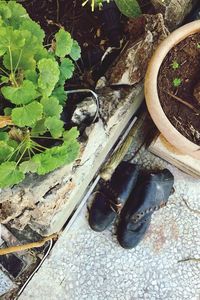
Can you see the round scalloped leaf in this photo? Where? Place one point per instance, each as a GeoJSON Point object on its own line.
{"type": "Point", "coordinates": [4, 136]}
{"type": "Point", "coordinates": [18, 13]}
{"type": "Point", "coordinates": [51, 107]}
{"type": "Point", "coordinates": [56, 157]}
{"type": "Point", "coordinates": [34, 28]}
{"type": "Point", "coordinates": [27, 115]}
{"type": "Point", "coordinates": [7, 111]}
{"type": "Point", "coordinates": [129, 8]}
{"type": "Point", "coordinates": [66, 68]}
{"type": "Point", "coordinates": [60, 94]}
{"type": "Point", "coordinates": [71, 135]}
{"type": "Point", "coordinates": [28, 166]}
{"type": "Point", "coordinates": [26, 63]}
{"type": "Point", "coordinates": [76, 51]}
{"type": "Point", "coordinates": [23, 94]}
{"type": "Point", "coordinates": [55, 126]}
{"type": "Point", "coordinates": [5, 151]}
{"type": "Point", "coordinates": [72, 151]}
{"type": "Point", "coordinates": [10, 39]}
{"type": "Point", "coordinates": [64, 43]}
{"type": "Point", "coordinates": [5, 11]}
{"type": "Point", "coordinates": [10, 174]}
{"type": "Point", "coordinates": [49, 75]}
{"type": "Point", "coordinates": [39, 128]}
{"type": "Point", "coordinates": [45, 163]}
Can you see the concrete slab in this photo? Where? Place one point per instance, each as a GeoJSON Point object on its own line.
{"type": "Point", "coordinates": [5, 284]}
{"type": "Point", "coordinates": [89, 265]}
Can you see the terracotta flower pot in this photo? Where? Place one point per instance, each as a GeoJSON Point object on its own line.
{"type": "Point", "coordinates": [151, 92]}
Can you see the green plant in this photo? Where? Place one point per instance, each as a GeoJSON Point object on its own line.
{"type": "Point", "coordinates": [32, 78]}
{"type": "Point", "coordinates": [177, 82]}
{"type": "Point", "coordinates": [94, 3]}
{"type": "Point", "coordinates": [175, 65]}
{"type": "Point", "coordinates": [198, 45]}
{"type": "Point", "coordinates": [129, 8]}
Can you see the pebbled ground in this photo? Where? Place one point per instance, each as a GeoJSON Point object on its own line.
{"type": "Point", "coordinates": [89, 265]}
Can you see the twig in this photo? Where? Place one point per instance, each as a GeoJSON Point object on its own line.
{"type": "Point", "coordinates": [191, 209]}
{"type": "Point", "coordinates": [28, 246]}
{"type": "Point", "coordinates": [57, 11]}
{"type": "Point", "coordinates": [108, 169]}
{"type": "Point", "coordinates": [197, 111]}
{"type": "Point", "coordinates": [189, 259]}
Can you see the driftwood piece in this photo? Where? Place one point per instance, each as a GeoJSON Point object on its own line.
{"type": "Point", "coordinates": [131, 65]}
{"type": "Point", "coordinates": [44, 202]}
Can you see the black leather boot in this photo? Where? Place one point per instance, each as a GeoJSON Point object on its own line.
{"type": "Point", "coordinates": [111, 195]}
{"type": "Point", "coordinates": [150, 194]}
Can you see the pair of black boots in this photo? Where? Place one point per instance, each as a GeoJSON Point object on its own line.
{"type": "Point", "coordinates": [133, 196]}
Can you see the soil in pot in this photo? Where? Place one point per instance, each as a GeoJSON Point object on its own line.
{"type": "Point", "coordinates": [179, 87]}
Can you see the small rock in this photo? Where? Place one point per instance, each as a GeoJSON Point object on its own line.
{"type": "Point", "coordinates": [85, 110]}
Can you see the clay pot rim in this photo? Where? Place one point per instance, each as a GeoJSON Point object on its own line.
{"type": "Point", "coordinates": [151, 91]}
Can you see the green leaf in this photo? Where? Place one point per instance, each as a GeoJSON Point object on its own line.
{"type": "Point", "coordinates": [10, 174]}
{"type": "Point", "coordinates": [39, 128]}
{"type": "Point", "coordinates": [56, 157]}
{"type": "Point", "coordinates": [26, 62]}
{"type": "Point", "coordinates": [60, 94]}
{"type": "Point", "coordinates": [5, 151]}
{"type": "Point", "coordinates": [10, 39]}
{"type": "Point", "coordinates": [31, 75]}
{"type": "Point", "coordinates": [55, 126]}
{"type": "Point", "coordinates": [4, 136]}
{"type": "Point", "coordinates": [5, 11]}
{"type": "Point", "coordinates": [129, 8]}
{"type": "Point", "coordinates": [64, 43]}
{"type": "Point", "coordinates": [75, 51]}
{"type": "Point", "coordinates": [7, 111]}
{"type": "Point", "coordinates": [28, 166]}
{"type": "Point", "coordinates": [34, 28]}
{"type": "Point", "coordinates": [20, 95]}
{"type": "Point", "coordinates": [4, 79]}
{"type": "Point", "coordinates": [71, 135]}
{"type": "Point", "coordinates": [42, 53]}
{"type": "Point", "coordinates": [51, 107]}
{"type": "Point", "coordinates": [45, 163]}
{"type": "Point", "coordinates": [18, 13]}
{"type": "Point", "coordinates": [66, 68]}
{"type": "Point", "coordinates": [27, 115]}
{"type": "Point", "coordinates": [49, 75]}
{"type": "Point", "coordinates": [12, 143]}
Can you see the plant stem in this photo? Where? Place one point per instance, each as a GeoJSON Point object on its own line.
{"type": "Point", "coordinates": [38, 145]}
{"type": "Point", "coordinates": [20, 56]}
{"type": "Point", "coordinates": [29, 154]}
{"type": "Point", "coordinates": [11, 67]}
{"type": "Point", "coordinates": [4, 72]}
{"type": "Point", "coordinates": [46, 137]}
{"type": "Point", "coordinates": [21, 156]}
{"type": "Point", "coordinates": [31, 150]}
{"type": "Point", "coordinates": [16, 150]}
{"type": "Point", "coordinates": [37, 149]}
{"type": "Point", "coordinates": [11, 62]}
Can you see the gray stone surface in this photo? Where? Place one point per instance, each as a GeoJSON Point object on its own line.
{"type": "Point", "coordinates": [174, 11]}
{"type": "Point", "coordinates": [89, 265]}
{"type": "Point", "coordinates": [5, 283]}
